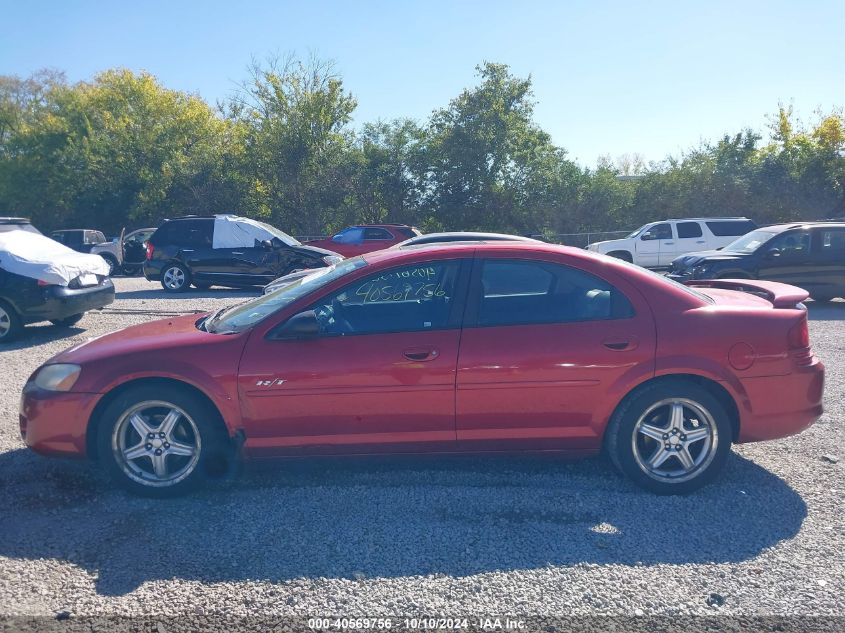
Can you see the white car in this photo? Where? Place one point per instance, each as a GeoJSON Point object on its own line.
{"type": "Point", "coordinates": [656, 244]}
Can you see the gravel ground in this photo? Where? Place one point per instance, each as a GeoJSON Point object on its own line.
{"type": "Point", "coordinates": [451, 536]}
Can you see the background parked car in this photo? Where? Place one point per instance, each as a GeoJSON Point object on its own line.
{"type": "Point", "coordinates": [365, 238]}
{"type": "Point", "coordinates": [95, 242]}
{"type": "Point", "coordinates": [808, 255]}
{"type": "Point", "coordinates": [42, 280]}
{"type": "Point", "coordinates": [656, 244]}
{"type": "Point", "coordinates": [135, 250]}
{"type": "Point", "coordinates": [462, 236]}
{"type": "Point", "coordinates": [225, 250]}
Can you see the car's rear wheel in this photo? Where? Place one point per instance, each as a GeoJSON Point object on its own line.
{"type": "Point", "coordinates": [68, 321]}
{"type": "Point", "coordinates": [175, 278]}
{"type": "Point", "coordinates": [671, 437]}
{"type": "Point", "coordinates": [162, 441]}
{"type": "Point", "coordinates": [11, 325]}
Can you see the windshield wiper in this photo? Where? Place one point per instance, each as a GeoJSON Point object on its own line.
{"type": "Point", "coordinates": [210, 320]}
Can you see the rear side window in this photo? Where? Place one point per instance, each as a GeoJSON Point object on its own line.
{"type": "Point", "coordinates": [192, 233]}
{"type": "Point", "coordinates": [377, 234]}
{"type": "Point", "coordinates": [730, 228]}
{"type": "Point", "coordinates": [689, 229]}
{"type": "Point", "coordinates": [404, 231]}
{"type": "Point", "coordinates": [832, 245]}
{"type": "Point", "coordinates": [515, 292]}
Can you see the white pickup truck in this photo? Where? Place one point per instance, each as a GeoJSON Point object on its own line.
{"type": "Point", "coordinates": [656, 244]}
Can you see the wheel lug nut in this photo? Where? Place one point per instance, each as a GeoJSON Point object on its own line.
{"type": "Point", "coordinates": [161, 435]}
{"type": "Point", "coordinates": [166, 445]}
{"type": "Point", "coordinates": [150, 435]}
{"type": "Point", "coordinates": [665, 436]}
{"type": "Point", "coordinates": [683, 437]}
{"type": "Point", "coordinates": [158, 451]}
{"type": "Point", "coordinates": [149, 447]}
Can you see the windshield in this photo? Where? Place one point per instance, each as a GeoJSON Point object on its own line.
{"type": "Point", "coordinates": [244, 316]}
{"type": "Point", "coordinates": [635, 233]}
{"type": "Point", "coordinates": [750, 242]}
{"type": "Point", "coordinates": [281, 235]}
{"type": "Point", "coordinates": [5, 228]}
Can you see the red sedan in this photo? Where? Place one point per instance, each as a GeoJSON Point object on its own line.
{"type": "Point", "coordinates": [474, 347]}
{"type": "Point", "coordinates": [366, 238]}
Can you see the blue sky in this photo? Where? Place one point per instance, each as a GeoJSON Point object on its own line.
{"type": "Point", "coordinates": [609, 77]}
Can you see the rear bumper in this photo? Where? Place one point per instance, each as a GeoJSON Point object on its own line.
{"type": "Point", "coordinates": [55, 423]}
{"type": "Point", "coordinates": [152, 272]}
{"type": "Point", "coordinates": [61, 302]}
{"type": "Point", "coordinates": [780, 406]}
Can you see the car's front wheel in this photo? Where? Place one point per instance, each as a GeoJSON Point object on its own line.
{"type": "Point", "coordinates": [671, 437]}
{"type": "Point", "coordinates": [175, 278]}
{"type": "Point", "coordinates": [162, 441]}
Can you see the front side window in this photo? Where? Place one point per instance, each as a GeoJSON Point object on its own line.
{"type": "Point", "coordinates": [791, 244]}
{"type": "Point", "coordinates": [411, 298]}
{"type": "Point", "coordinates": [517, 292]}
{"type": "Point", "coordinates": [658, 232]}
{"type": "Point", "coordinates": [689, 229]}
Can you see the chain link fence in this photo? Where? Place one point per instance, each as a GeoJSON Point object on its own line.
{"type": "Point", "coordinates": [579, 240]}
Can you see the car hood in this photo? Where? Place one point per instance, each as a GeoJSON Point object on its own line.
{"type": "Point", "coordinates": [316, 250]}
{"type": "Point", "coordinates": [147, 338]}
{"type": "Point", "coordinates": [691, 260]}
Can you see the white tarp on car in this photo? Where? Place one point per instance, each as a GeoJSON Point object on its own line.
{"type": "Point", "coordinates": [232, 231]}
{"type": "Point", "coordinates": [38, 257]}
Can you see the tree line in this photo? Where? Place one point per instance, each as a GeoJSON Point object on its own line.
{"type": "Point", "coordinates": [123, 150]}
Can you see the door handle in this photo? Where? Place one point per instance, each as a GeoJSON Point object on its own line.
{"type": "Point", "coordinates": [621, 344]}
{"type": "Point", "coordinates": [187, 250]}
{"type": "Point", "coordinates": [668, 243]}
{"type": "Point", "coordinates": [420, 354]}
{"type": "Point", "coordinates": [700, 242]}
{"type": "Point", "coordinates": [236, 253]}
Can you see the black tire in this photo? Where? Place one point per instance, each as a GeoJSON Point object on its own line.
{"type": "Point", "coordinates": [114, 267]}
{"type": "Point", "coordinates": [11, 325]}
{"type": "Point", "coordinates": [199, 426]}
{"type": "Point", "coordinates": [631, 450]}
{"type": "Point", "coordinates": [175, 278]}
{"type": "Point", "coordinates": [68, 321]}
{"type": "Point", "coordinates": [623, 255]}
{"type": "Point", "coordinates": [131, 270]}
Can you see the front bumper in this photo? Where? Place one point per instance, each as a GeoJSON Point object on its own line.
{"type": "Point", "coordinates": [60, 302]}
{"type": "Point", "coordinates": [55, 423]}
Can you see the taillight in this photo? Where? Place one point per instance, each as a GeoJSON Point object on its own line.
{"type": "Point", "coordinates": [150, 250]}
{"type": "Point", "coordinates": [43, 283]}
{"type": "Point", "coordinates": [799, 335]}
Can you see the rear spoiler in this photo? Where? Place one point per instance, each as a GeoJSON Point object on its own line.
{"type": "Point", "coordinates": [778, 294]}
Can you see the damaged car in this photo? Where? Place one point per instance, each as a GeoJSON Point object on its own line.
{"type": "Point", "coordinates": [42, 280]}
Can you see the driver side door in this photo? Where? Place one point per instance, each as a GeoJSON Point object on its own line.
{"type": "Point", "coordinates": [379, 377]}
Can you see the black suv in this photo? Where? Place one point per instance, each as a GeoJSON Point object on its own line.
{"type": "Point", "coordinates": [809, 255]}
{"type": "Point", "coordinates": [26, 299]}
{"type": "Point", "coordinates": [225, 250]}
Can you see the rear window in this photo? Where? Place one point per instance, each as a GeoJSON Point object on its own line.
{"type": "Point", "coordinates": [407, 232]}
{"type": "Point", "coordinates": [730, 228]}
{"type": "Point", "coordinates": [5, 228]}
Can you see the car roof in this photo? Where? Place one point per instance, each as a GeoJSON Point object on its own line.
{"type": "Point", "coordinates": [718, 219]}
{"type": "Point", "coordinates": [473, 236]}
{"type": "Point", "coordinates": [14, 220]}
{"type": "Point", "coordinates": [779, 228]}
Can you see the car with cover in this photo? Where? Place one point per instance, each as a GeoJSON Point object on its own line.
{"type": "Point", "coordinates": [448, 348]}
{"type": "Point", "coordinates": [810, 255]}
{"type": "Point", "coordinates": [225, 250]}
{"type": "Point", "coordinates": [42, 280]}
{"type": "Point", "coordinates": [657, 244]}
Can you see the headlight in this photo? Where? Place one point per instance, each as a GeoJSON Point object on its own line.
{"type": "Point", "coordinates": [331, 260]}
{"type": "Point", "coordinates": [59, 377]}
{"type": "Point", "coordinates": [702, 270]}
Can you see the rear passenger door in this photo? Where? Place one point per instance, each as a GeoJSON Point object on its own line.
{"type": "Point", "coordinates": [828, 262]}
{"type": "Point", "coordinates": [544, 345]}
{"type": "Point", "coordinates": [192, 239]}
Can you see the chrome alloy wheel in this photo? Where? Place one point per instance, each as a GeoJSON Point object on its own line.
{"type": "Point", "coordinates": [156, 443]}
{"type": "Point", "coordinates": [174, 278]}
{"type": "Point", "coordinates": [5, 323]}
{"type": "Point", "coordinates": [674, 440]}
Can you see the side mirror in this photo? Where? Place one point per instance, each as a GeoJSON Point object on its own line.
{"type": "Point", "coordinates": [267, 245]}
{"type": "Point", "coordinates": [772, 253]}
{"type": "Point", "coordinates": [299, 326]}
{"type": "Point", "coordinates": [648, 235]}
